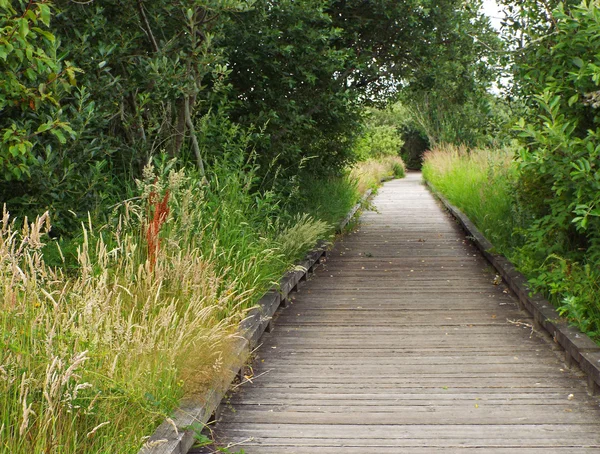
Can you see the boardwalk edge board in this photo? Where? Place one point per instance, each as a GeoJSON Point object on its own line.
{"type": "Point", "coordinates": [354, 209]}
{"type": "Point", "coordinates": [176, 435]}
{"type": "Point", "coordinates": [578, 348]}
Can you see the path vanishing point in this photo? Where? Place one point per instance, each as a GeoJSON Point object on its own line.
{"type": "Point", "coordinates": [403, 343]}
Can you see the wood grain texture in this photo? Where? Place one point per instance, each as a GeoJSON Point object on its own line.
{"type": "Point", "coordinates": [403, 343]}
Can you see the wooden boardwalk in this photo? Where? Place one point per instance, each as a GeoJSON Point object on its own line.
{"type": "Point", "coordinates": [402, 343]}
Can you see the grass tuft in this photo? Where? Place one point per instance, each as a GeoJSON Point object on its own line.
{"type": "Point", "coordinates": [369, 174]}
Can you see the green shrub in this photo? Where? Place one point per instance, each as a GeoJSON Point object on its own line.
{"type": "Point", "coordinates": [378, 141]}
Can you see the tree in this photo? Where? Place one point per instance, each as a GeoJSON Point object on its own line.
{"type": "Point", "coordinates": [285, 75]}
{"type": "Point", "coordinates": [449, 100]}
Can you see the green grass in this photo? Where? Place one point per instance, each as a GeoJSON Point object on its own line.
{"type": "Point", "coordinates": [328, 199]}
{"type": "Point", "coordinates": [480, 183]}
{"type": "Point", "coordinates": [331, 199]}
{"type": "Point", "coordinates": [369, 174]}
{"type": "Point", "coordinates": [96, 354]}
{"type": "Point", "coordinates": [484, 185]}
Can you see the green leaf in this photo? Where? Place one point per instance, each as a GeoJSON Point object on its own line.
{"type": "Point", "coordinates": [59, 135]}
{"type": "Point", "coordinates": [23, 28]}
{"type": "Point", "coordinates": [44, 127]}
{"type": "Point", "coordinates": [31, 74]}
{"type": "Point", "coordinates": [45, 14]}
{"type": "Point", "coordinates": [578, 62]}
{"type": "Point", "coordinates": [30, 15]}
{"type": "Point", "coordinates": [573, 99]}
{"type": "Point", "coordinates": [45, 33]}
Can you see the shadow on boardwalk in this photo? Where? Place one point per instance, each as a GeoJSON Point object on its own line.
{"type": "Point", "coordinates": [403, 343]}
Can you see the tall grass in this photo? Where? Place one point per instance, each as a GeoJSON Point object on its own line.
{"type": "Point", "coordinates": [100, 344]}
{"type": "Point", "coordinates": [369, 174]}
{"type": "Point", "coordinates": [481, 183]}
{"type": "Point", "coordinates": [91, 360]}
{"type": "Point", "coordinates": [484, 184]}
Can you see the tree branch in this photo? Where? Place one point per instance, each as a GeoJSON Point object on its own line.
{"type": "Point", "coordinates": [190, 125]}
{"type": "Point", "coordinates": [147, 27]}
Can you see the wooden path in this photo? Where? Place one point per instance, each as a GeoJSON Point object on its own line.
{"type": "Point", "coordinates": [403, 344]}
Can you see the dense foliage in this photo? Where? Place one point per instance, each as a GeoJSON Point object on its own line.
{"type": "Point", "coordinates": [449, 101]}
{"type": "Point", "coordinates": [164, 145]}
{"type": "Point", "coordinates": [33, 83]}
{"type": "Point", "coordinates": [114, 83]}
{"type": "Point", "coordinates": [239, 102]}
{"type": "Point", "coordinates": [559, 160]}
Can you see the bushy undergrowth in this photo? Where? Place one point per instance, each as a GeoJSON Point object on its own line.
{"type": "Point", "coordinates": [91, 359]}
{"type": "Point", "coordinates": [486, 185]}
{"type": "Point", "coordinates": [100, 341]}
{"type": "Point", "coordinates": [328, 199]}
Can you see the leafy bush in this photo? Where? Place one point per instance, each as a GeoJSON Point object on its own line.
{"type": "Point", "coordinates": [558, 162]}
{"type": "Point", "coordinates": [34, 81]}
{"type": "Point", "coordinates": [378, 141]}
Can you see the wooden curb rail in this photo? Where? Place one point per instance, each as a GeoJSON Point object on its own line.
{"type": "Point", "coordinates": [354, 209]}
{"type": "Point", "coordinates": [176, 434]}
{"type": "Point", "coordinates": [578, 347]}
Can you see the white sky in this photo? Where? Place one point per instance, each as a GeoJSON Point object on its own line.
{"type": "Point", "coordinates": [493, 11]}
